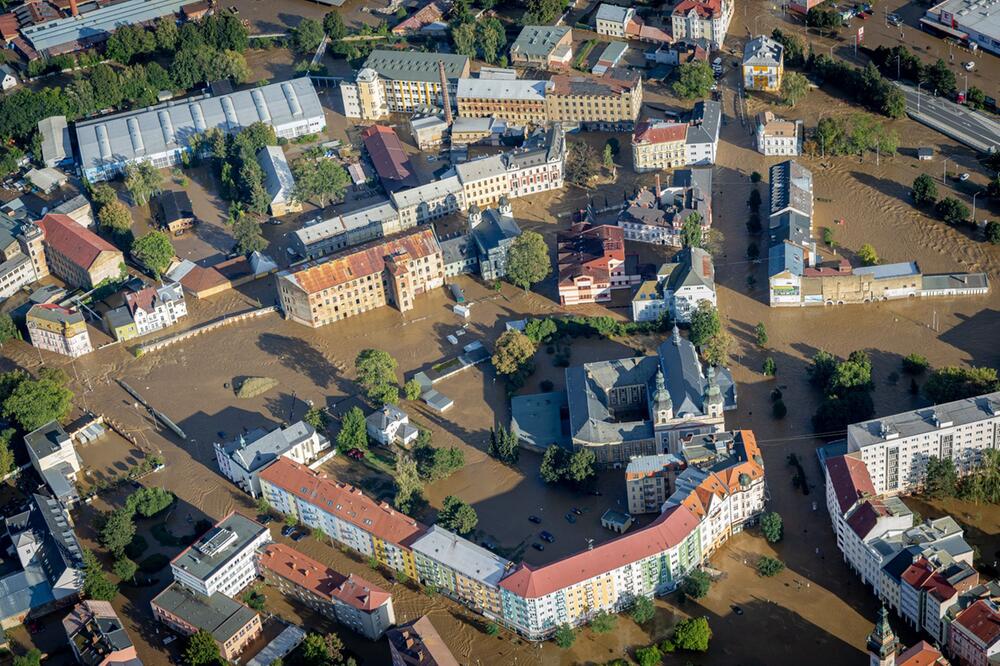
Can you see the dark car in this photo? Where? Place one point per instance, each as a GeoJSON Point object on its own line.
{"type": "Point", "coordinates": [570, 518]}
{"type": "Point", "coordinates": [576, 511]}
{"type": "Point", "coordinates": [287, 530]}
{"type": "Point", "coordinates": [535, 519]}
{"type": "Point", "coordinates": [538, 546]}
{"type": "Point", "coordinates": [547, 537]}
{"type": "Point", "coordinates": [300, 536]}
{"type": "Point", "coordinates": [737, 610]}
{"type": "Point", "coordinates": [357, 454]}
{"type": "Point", "coordinates": [264, 519]}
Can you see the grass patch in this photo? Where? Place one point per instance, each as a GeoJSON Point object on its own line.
{"type": "Point", "coordinates": [154, 563]}
{"type": "Point", "coordinates": [447, 365]}
{"type": "Point", "coordinates": [251, 387]}
{"type": "Point", "coordinates": [580, 62]}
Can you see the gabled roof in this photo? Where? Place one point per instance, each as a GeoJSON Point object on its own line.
{"type": "Point", "coordinates": [981, 620]}
{"type": "Point", "coordinates": [321, 579]}
{"type": "Point", "coordinates": [386, 152]}
{"type": "Point", "coordinates": [705, 9]}
{"type": "Point", "coordinates": [921, 654]}
{"type": "Point", "coordinates": [659, 132]}
{"type": "Point", "coordinates": [850, 480]}
{"type": "Point", "coordinates": [78, 244]}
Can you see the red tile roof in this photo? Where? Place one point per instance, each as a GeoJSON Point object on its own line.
{"type": "Point", "coordinates": [387, 153]}
{"type": "Point", "coordinates": [364, 260]}
{"type": "Point", "coordinates": [659, 132]}
{"type": "Point", "coordinates": [343, 501]}
{"type": "Point", "coordinates": [670, 529]}
{"type": "Point", "coordinates": [322, 580]}
{"type": "Point", "coordinates": [704, 8]}
{"type": "Point", "coordinates": [850, 479]}
{"type": "Point", "coordinates": [587, 251]}
{"type": "Point", "coordinates": [141, 300]}
{"type": "Point", "coordinates": [864, 519]}
{"type": "Point", "coordinates": [75, 242]}
{"type": "Point", "coordinates": [982, 621]}
{"type": "Point", "coordinates": [921, 654]}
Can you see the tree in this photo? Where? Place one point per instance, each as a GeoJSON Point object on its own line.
{"type": "Point", "coordinates": [317, 418]}
{"type": "Point", "coordinates": [512, 351]}
{"type": "Point", "coordinates": [952, 210]}
{"type": "Point", "coordinates": [409, 487]}
{"type": "Point", "coordinates": [794, 87]}
{"type": "Point", "coordinates": [8, 329]}
{"type": "Point", "coordinates": [649, 656]}
{"type": "Point", "coordinates": [643, 610]}
{"type": "Point", "coordinates": [154, 251]}
{"type": "Point", "coordinates": [118, 531]}
{"type": "Point", "coordinates": [993, 232]}
{"type": "Point", "coordinates": [148, 502]}
{"type": "Point", "coordinates": [412, 389]}
{"type": "Point", "coordinates": [942, 478]}
{"type": "Point", "coordinates": [795, 50]}
{"type": "Point", "coordinates": [248, 236]}
{"type": "Point", "coordinates": [705, 323]}
{"type": "Point", "coordinates": [456, 515]}
{"type": "Point", "coordinates": [778, 409]}
{"type": "Point", "coordinates": [868, 255]}
{"type": "Point", "coordinates": [129, 41]}
{"type": "Point", "coordinates": [166, 33]}
{"type": "Point", "coordinates": [771, 526]}
{"type": "Point", "coordinates": [582, 163]}
{"type": "Point", "coordinates": [821, 368]}
{"type": "Point", "coordinates": [504, 445]}
{"type": "Point", "coordinates": [333, 26]}
{"type": "Point", "coordinates": [463, 36]}
{"type": "Point", "coordinates": [609, 158]}
{"type": "Point", "coordinates": [314, 651]}
{"type": "Point", "coordinates": [769, 566]}
{"type": "Point", "coordinates": [143, 181]}
{"type": "Point", "coordinates": [115, 217]}
{"type": "Point", "coordinates": [565, 636]}
{"type": "Point", "coordinates": [376, 371]}
{"type": "Point", "coordinates": [95, 583]}
{"type": "Point", "coordinates": [528, 260]}
{"type": "Point", "coordinates": [353, 431]}
{"type": "Point", "coordinates": [306, 36]}
{"type": "Point", "coordinates": [824, 18]}
{"type": "Point", "coordinates": [255, 599]}
{"type": "Point", "coordinates": [542, 12]}
{"type": "Point", "coordinates": [693, 634]}
{"type": "Point", "coordinates": [953, 383]}
{"type": "Point", "coordinates": [7, 463]}
{"type": "Point", "coordinates": [940, 79]}
{"type": "Point", "coordinates": [760, 334]}
{"type": "Point", "coordinates": [492, 39]}
{"type": "Point", "coordinates": [696, 584]}
{"type": "Point", "coordinates": [716, 350]}
{"type": "Point", "coordinates": [691, 235]}
{"type": "Point", "coordinates": [32, 657]}
{"type": "Point", "coordinates": [769, 368]}
{"type": "Point", "coordinates": [335, 647]}
{"type": "Point", "coordinates": [553, 465]}
{"type": "Point", "coordinates": [492, 629]}
{"type": "Point", "coordinates": [540, 330]}
{"type": "Point", "coordinates": [125, 568]}
{"type": "Point", "coordinates": [34, 402]}
{"type": "Point", "coordinates": [694, 80]}
{"type": "Point", "coordinates": [924, 190]}
{"type": "Point", "coordinates": [202, 650]}
{"type": "Point", "coordinates": [580, 466]}
{"type": "Point", "coordinates": [320, 179]}
{"type": "Point", "coordinates": [915, 364]}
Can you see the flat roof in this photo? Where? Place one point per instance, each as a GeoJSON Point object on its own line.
{"type": "Point", "coordinates": [924, 420]}
{"type": "Point", "coordinates": [956, 281]}
{"type": "Point", "coordinates": [538, 40]}
{"type": "Point", "coordinates": [524, 90]}
{"type": "Point", "coordinates": [462, 555]}
{"type": "Point", "coordinates": [97, 24]}
{"type": "Point", "coordinates": [976, 15]}
{"type": "Point", "coordinates": [219, 545]}
{"type": "Point", "coordinates": [886, 271]}
{"type": "Point", "coordinates": [218, 614]}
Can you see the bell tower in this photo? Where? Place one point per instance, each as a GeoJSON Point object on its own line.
{"type": "Point", "coordinates": [882, 642]}
{"type": "Point", "coordinates": [713, 396]}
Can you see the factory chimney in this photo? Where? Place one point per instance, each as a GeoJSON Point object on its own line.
{"type": "Point", "coordinates": [73, 9]}
{"type": "Point", "coordinates": [657, 189]}
{"type": "Point", "coordinates": [445, 94]}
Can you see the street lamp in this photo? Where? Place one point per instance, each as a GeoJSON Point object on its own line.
{"type": "Point", "coordinates": [974, 205]}
{"type": "Point", "coordinates": [918, 95]}
{"type": "Point", "coordinates": [944, 177]}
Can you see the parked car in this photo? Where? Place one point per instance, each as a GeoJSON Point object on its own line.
{"type": "Point", "coordinates": [969, 66]}
{"type": "Point", "coordinates": [895, 19]}
{"type": "Point", "coordinates": [570, 518]}
{"type": "Point", "coordinates": [287, 530]}
{"type": "Point", "coordinates": [537, 546]}
{"type": "Point", "coordinates": [264, 519]}
{"type": "Point", "coordinates": [547, 537]}
{"type": "Point", "coordinates": [357, 454]}
{"type": "Point", "coordinates": [964, 177]}
{"type": "Point", "coordinates": [576, 511]}
{"type": "Point", "coordinates": [300, 536]}
{"type": "Point", "coordinates": [535, 519]}
{"type": "Point", "coordinates": [737, 610]}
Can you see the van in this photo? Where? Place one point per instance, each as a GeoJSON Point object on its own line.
{"type": "Point", "coordinates": [457, 293]}
{"type": "Point", "coordinates": [717, 66]}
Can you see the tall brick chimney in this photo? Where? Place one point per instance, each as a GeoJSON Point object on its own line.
{"type": "Point", "coordinates": [657, 189]}
{"type": "Point", "coordinates": [73, 9]}
{"type": "Point", "coordinates": [445, 94]}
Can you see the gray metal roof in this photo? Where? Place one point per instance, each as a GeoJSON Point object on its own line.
{"type": "Point", "coordinates": [525, 90]}
{"type": "Point", "coordinates": [218, 615]}
{"type": "Point", "coordinates": [338, 224]}
{"type": "Point", "coordinates": [884, 271]}
{"type": "Point", "coordinates": [614, 13]}
{"type": "Point", "coordinates": [495, 230]}
{"type": "Point", "coordinates": [956, 281]}
{"type": "Point", "coordinates": [278, 179]}
{"type": "Point", "coordinates": [55, 139]}
{"type": "Point", "coordinates": [220, 544]}
{"type": "Point", "coordinates": [704, 122]}
{"type": "Point", "coordinates": [479, 169]}
{"type": "Point", "coordinates": [763, 52]}
{"type": "Point", "coordinates": [652, 464]}
{"type": "Point", "coordinates": [695, 269]}
{"type": "Point", "coordinates": [536, 419]}
{"type": "Point", "coordinates": [259, 448]}
{"type": "Point", "coordinates": [924, 420]}
{"type": "Point", "coordinates": [119, 317]}
{"type": "Point", "coordinates": [169, 126]}
{"type": "Point", "coordinates": [459, 248]}
{"type": "Point", "coordinates": [415, 65]}
{"type": "Point", "coordinates": [790, 226]}
{"type": "Point", "coordinates": [462, 555]}
{"type": "Point", "coordinates": [791, 187]}
{"type": "Point", "coordinates": [785, 257]}
{"type": "Point", "coordinates": [438, 189]}
{"type": "Point", "coordinates": [381, 418]}
{"type": "Point", "coordinates": [537, 41]}
{"type": "Point", "coordinates": [98, 24]}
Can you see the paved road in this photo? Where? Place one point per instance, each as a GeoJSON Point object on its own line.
{"type": "Point", "coordinates": [974, 129]}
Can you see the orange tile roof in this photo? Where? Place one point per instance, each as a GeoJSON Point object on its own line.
{"type": "Point", "coordinates": [981, 621]}
{"type": "Point", "coordinates": [343, 501]}
{"type": "Point", "coordinates": [921, 654]}
{"type": "Point", "coordinates": [670, 529]}
{"type": "Point", "coordinates": [322, 580]}
{"type": "Point", "coordinates": [584, 250]}
{"type": "Point", "coordinates": [660, 132]}
{"type": "Point", "coordinates": [364, 260]}
{"type": "Point", "coordinates": [727, 481]}
{"type": "Point", "coordinates": [704, 8]}
{"type": "Point", "coordinates": [75, 242]}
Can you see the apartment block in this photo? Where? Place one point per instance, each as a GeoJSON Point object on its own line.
{"type": "Point", "coordinates": [647, 481]}
{"type": "Point", "coordinates": [776, 136]}
{"type": "Point", "coordinates": [390, 271]}
{"type": "Point", "coordinates": [326, 236]}
{"type": "Point", "coordinates": [658, 144]}
{"type": "Point", "coordinates": [514, 100]}
{"type": "Point", "coordinates": [418, 643]}
{"type": "Point", "coordinates": [97, 636]}
{"type": "Point", "coordinates": [224, 559]}
{"type": "Point", "coordinates": [156, 308]}
{"type": "Point", "coordinates": [77, 255]}
{"type": "Point", "coordinates": [22, 255]}
{"type": "Point", "coordinates": [763, 64]}
{"type": "Point", "coordinates": [702, 20]}
{"type": "Point", "coordinates": [350, 600]}
{"type": "Point", "coordinates": [231, 624]}
{"type": "Point", "coordinates": [54, 457]}
{"type": "Point", "coordinates": [58, 329]}
{"type": "Point", "coordinates": [613, 20]}
{"type": "Point", "coordinates": [402, 82]}
{"type": "Point", "coordinates": [974, 639]}
{"type": "Point", "coordinates": [610, 102]}
{"type": "Point", "coordinates": [592, 263]}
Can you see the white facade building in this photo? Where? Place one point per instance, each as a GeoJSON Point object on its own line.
{"type": "Point", "coordinates": [389, 425]}
{"type": "Point", "coordinates": [155, 308]}
{"type": "Point", "coordinates": [702, 19]}
{"type": "Point", "coordinates": [224, 560]}
{"type": "Point", "coordinates": [776, 136]}
{"type": "Point", "coordinates": [243, 459]}
{"type": "Point", "coordinates": [612, 20]}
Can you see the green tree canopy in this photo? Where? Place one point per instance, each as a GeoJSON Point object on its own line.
{"type": "Point", "coordinates": [694, 80]}
{"type": "Point", "coordinates": [868, 255]}
{"type": "Point", "coordinates": [248, 235]}
{"type": "Point", "coordinates": [705, 323]}
{"type": "Point", "coordinates": [115, 217]}
{"type": "Point", "coordinates": [528, 260]}
{"type": "Point", "coordinates": [512, 351]}
{"type": "Point", "coordinates": [143, 181]}
{"type": "Point", "coordinates": [643, 610]}
{"type": "Point", "coordinates": [333, 26]}
{"type": "Point", "coordinates": [924, 190]}
{"type": "Point", "coordinates": [32, 403]}
{"type": "Point", "coordinates": [95, 582]}
{"type": "Point", "coordinates": [306, 36]}
{"type": "Point", "coordinates": [457, 515]}
{"type": "Point", "coordinates": [202, 650]}
{"type": "Point", "coordinates": [954, 383]}
{"type": "Point", "coordinates": [952, 211]}
{"type": "Point", "coordinates": [582, 163]}
{"type": "Point", "coordinates": [319, 179]}
{"type": "Point", "coordinates": [353, 432]}
{"type": "Point", "coordinates": [409, 487]}
{"type": "Point", "coordinates": [118, 530]}
{"type": "Point", "coordinates": [942, 478]}
{"type": "Point", "coordinates": [772, 527]}
{"type": "Point", "coordinates": [794, 87]}
{"type": "Point", "coordinates": [8, 329]}
{"type": "Point", "coordinates": [696, 584]}
{"type": "Point", "coordinates": [565, 636]}
{"type": "Point", "coordinates": [154, 251]}
{"type": "Point", "coordinates": [692, 634]}
{"type": "Point", "coordinates": [376, 370]}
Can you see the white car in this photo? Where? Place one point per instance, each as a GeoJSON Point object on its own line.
{"type": "Point", "coordinates": [969, 66]}
{"type": "Point", "coordinates": [964, 177]}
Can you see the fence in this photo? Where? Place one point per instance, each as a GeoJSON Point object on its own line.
{"type": "Point", "coordinates": [157, 345]}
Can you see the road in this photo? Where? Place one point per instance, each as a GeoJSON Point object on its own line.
{"type": "Point", "coordinates": [972, 128]}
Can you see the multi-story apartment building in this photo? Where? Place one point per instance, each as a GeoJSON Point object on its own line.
{"type": "Point", "coordinates": [610, 102]}
{"type": "Point", "coordinates": [402, 82]}
{"type": "Point", "coordinates": [58, 329]}
{"type": "Point", "coordinates": [678, 289]}
{"type": "Point", "coordinates": [895, 448]}
{"type": "Point", "coordinates": [776, 136]}
{"type": "Point", "coordinates": [77, 255]}
{"type": "Point", "coordinates": [371, 528]}
{"type": "Point", "coordinates": [658, 216]}
{"type": "Point", "coordinates": [224, 559]}
{"type": "Point", "coordinates": [702, 19]}
{"type": "Point", "coordinates": [763, 64]}
{"type": "Point", "coordinates": [929, 588]}
{"type": "Point", "coordinates": [974, 638]}
{"type": "Point", "coordinates": [484, 181]}
{"type": "Point", "coordinates": [97, 636]}
{"type": "Point", "coordinates": [418, 643]}
{"type": "Point", "coordinates": [539, 165]}
{"type": "Point", "coordinates": [517, 101]}
{"type": "Point", "coordinates": [341, 231]}
{"type": "Point", "coordinates": [613, 20]}
{"type": "Point", "coordinates": [591, 263]}
{"type": "Point", "coordinates": [54, 457]}
{"type": "Point", "coordinates": [647, 481]}
{"type": "Point", "coordinates": [424, 203]}
{"type": "Point", "coordinates": [390, 271]}
{"type": "Point", "coordinates": [155, 308]}
{"type": "Point", "coordinates": [22, 255]}
{"type": "Point", "coordinates": [350, 600]}
{"type": "Point", "coordinates": [242, 459]}
{"type": "Point", "coordinates": [161, 135]}
{"type": "Point", "coordinates": [666, 145]}
{"type": "Point", "coordinates": [231, 624]}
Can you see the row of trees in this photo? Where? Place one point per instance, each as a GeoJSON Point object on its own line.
{"type": "Point", "coordinates": [950, 209]}
{"type": "Point", "coordinates": [484, 39]}
{"type": "Point", "coordinates": [899, 61]}
{"type": "Point", "coordinates": [981, 485]}
{"type": "Point", "coordinates": [855, 134]}
{"type": "Point", "coordinates": [846, 386]}
{"type": "Point", "coordinates": [866, 86]}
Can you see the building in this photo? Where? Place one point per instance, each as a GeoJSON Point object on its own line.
{"type": "Point", "coordinates": [8, 79]}
{"type": "Point", "coordinates": [46, 180]}
{"type": "Point", "coordinates": [434, 200]}
{"type": "Point", "coordinates": [44, 566]}
{"type": "Point", "coordinates": [54, 457]}
{"type": "Point", "coordinates": [231, 624]}
{"type": "Point", "coordinates": [516, 101]}
{"type": "Point", "coordinates": [155, 308]}
{"type": "Point", "coordinates": [613, 20]}
{"type": "Point", "coordinates": [884, 648]}
{"type": "Point", "coordinates": [56, 150]}
{"type": "Point", "coordinates": [392, 271]}
{"type": "Point", "coordinates": [484, 180]}
{"type": "Point", "coordinates": [335, 233]}
{"type": "Point", "coordinates": [402, 82]}
{"type": "Point", "coordinates": [647, 481]}
{"type": "Point", "coordinates": [77, 255]}
{"type": "Point", "coordinates": [278, 181]}
{"type": "Point", "coordinates": [763, 64]}
{"type": "Point", "coordinates": [120, 324]}
{"type": "Point", "coordinates": [666, 145]}
{"type": "Point", "coordinates": [419, 644]}
{"type": "Point", "coordinates": [350, 600]}
{"type": "Point", "coordinates": [371, 528]}
{"type": "Point", "coordinates": [610, 102]}
{"type": "Point", "coordinates": [610, 57]}
{"type": "Point", "coordinates": [592, 263]}
{"type": "Point", "coordinates": [776, 136]}
{"type": "Point", "coordinates": [426, 18]}
{"type": "Point", "coordinates": [97, 636]}
{"type": "Point", "coordinates": [974, 638]}
{"type": "Point", "coordinates": [58, 329]}
{"type": "Point", "coordinates": [388, 156]}
{"type": "Point", "coordinates": [791, 246]}
{"type": "Point", "coordinates": [616, 521]}
{"type": "Point", "coordinates": [646, 405]}
{"type": "Point", "coordinates": [242, 459]}
{"type": "Point", "coordinates": [703, 132]}
{"type": "Point", "coordinates": [389, 425]}
{"type": "Point", "coordinates": [539, 165]}
{"type": "Point", "coordinates": [78, 208]}
{"type": "Point", "coordinates": [484, 248]}
{"type": "Point", "coordinates": [965, 20]}
{"type": "Point", "coordinates": [22, 255]}
{"type": "Point", "coordinates": [543, 46]}
{"type": "Point", "coordinates": [161, 134]}
{"type": "Point", "coordinates": [224, 559]}
{"type": "Point", "coordinates": [428, 131]}
{"type": "Point", "coordinates": [679, 288]}
{"type": "Point", "coordinates": [176, 212]}
{"type": "Point", "coordinates": [702, 19]}
{"type": "Point", "coordinates": [658, 216]}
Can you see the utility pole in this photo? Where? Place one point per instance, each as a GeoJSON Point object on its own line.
{"type": "Point", "coordinates": [974, 205]}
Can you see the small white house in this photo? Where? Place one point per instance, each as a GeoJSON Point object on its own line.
{"type": "Point", "coordinates": [391, 424]}
{"type": "Point", "coordinates": [776, 136]}
{"type": "Point", "coordinates": [9, 79]}
{"type": "Point", "coordinates": [278, 181]}
{"type": "Point", "coordinates": [155, 308]}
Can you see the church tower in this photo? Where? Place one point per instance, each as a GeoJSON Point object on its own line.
{"type": "Point", "coordinates": [663, 407]}
{"type": "Point", "coordinates": [504, 207]}
{"type": "Point", "coordinates": [475, 216]}
{"type": "Point", "coordinates": [882, 642]}
{"type": "Point", "coordinates": [713, 396]}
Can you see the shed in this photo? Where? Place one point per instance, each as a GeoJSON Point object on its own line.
{"type": "Point", "coordinates": [47, 180]}
{"type": "Point", "coordinates": [925, 153]}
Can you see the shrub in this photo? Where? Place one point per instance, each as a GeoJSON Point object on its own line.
{"type": "Point", "coordinates": [251, 387]}
{"type": "Point", "coordinates": [769, 566]}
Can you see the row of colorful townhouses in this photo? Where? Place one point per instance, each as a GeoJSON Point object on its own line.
{"type": "Point", "coordinates": [532, 601]}
{"type": "Point", "coordinates": [922, 571]}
